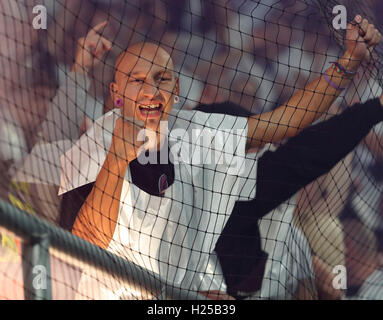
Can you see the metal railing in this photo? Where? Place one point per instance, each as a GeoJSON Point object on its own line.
{"type": "Point", "coordinates": [40, 235]}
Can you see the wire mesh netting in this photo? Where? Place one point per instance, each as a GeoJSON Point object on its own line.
{"type": "Point", "coordinates": [226, 148]}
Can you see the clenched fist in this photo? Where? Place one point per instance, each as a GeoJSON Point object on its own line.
{"type": "Point", "coordinates": [361, 38]}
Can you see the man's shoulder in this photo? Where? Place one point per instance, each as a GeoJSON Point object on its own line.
{"type": "Point", "coordinates": [187, 119]}
{"type": "Point", "coordinates": [81, 164]}
{"type": "Point", "coordinates": [213, 116]}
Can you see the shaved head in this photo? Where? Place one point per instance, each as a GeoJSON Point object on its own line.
{"type": "Point", "coordinates": [145, 83]}
{"type": "Point", "coordinates": [148, 51]}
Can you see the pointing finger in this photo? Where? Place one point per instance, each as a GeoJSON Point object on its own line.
{"type": "Point", "coordinates": [97, 28]}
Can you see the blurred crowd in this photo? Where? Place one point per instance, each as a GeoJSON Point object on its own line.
{"type": "Point", "coordinates": [253, 53]}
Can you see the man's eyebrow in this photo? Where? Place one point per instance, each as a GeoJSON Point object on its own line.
{"type": "Point", "coordinates": [133, 73]}
{"type": "Point", "coordinates": [138, 73]}
{"type": "Point", "coordinates": [165, 71]}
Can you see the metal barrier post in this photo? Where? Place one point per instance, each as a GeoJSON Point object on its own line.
{"type": "Point", "coordinates": [36, 268]}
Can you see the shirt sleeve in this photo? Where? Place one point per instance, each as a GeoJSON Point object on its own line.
{"type": "Point", "coordinates": [82, 163]}
{"type": "Point", "coordinates": [68, 108]}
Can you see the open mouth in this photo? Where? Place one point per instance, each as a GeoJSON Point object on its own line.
{"type": "Point", "coordinates": [151, 110]}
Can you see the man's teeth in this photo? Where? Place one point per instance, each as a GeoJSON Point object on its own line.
{"type": "Point", "coordinates": [151, 106]}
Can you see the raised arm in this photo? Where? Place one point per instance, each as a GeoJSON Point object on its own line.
{"type": "Point", "coordinates": [98, 215]}
{"type": "Point", "coordinates": [69, 107]}
{"type": "Point", "coordinates": [306, 105]}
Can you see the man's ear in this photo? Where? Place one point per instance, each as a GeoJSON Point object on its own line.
{"type": "Point", "coordinates": [177, 87]}
{"type": "Point", "coordinates": [114, 91]}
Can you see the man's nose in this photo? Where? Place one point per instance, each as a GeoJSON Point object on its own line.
{"type": "Point", "coordinates": [149, 90]}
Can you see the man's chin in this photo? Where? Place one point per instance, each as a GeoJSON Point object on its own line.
{"type": "Point", "coordinates": [153, 124]}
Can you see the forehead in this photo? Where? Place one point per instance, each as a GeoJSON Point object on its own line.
{"type": "Point", "coordinates": [144, 58]}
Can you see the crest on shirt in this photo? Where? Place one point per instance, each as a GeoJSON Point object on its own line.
{"type": "Point", "coordinates": [162, 183]}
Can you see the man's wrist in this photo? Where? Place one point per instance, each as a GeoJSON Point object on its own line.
{"type": "Point", "coordinates": [381, 100]}
{"type": "Point", "coordinates": [349, 63]}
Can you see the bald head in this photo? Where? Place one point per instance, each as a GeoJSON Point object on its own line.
{"type": "Point", "coordinates": [145, 83]}
{"type": "Point", "coordinates": [148, 52]}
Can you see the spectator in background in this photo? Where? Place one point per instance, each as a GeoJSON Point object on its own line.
{"type": "Point", "coordinates": [317, 215]}
{"type": "Point", "coordinates": [72, 21]}
{"type": "Point", "coordinates": [289, 265]}
{"type": "Point", "coordinates": [323, 205]}
{"type": "Point", "coordinates": [366, 173]}
{"type": "Point", "coordinates": [368, 182]}
{"type": "Point", "coordinates": [367, 170]}
{"type": "Point", "coordinates": [320, 204]}
{"type": "Point", "coordinates": [207, 18]}
{"type": "Point", "coordinates": [15, 23]}
{"type": "Point", "coordinates": [72, 105]}
{"type": "Point", "coordinates": [71, 110]}
{"type": "Point", "coordinates": [23, 97]}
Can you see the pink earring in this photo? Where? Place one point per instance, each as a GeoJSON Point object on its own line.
{"type": "Point", "coordinates": [118, 102]}
{"type": "Point", "coordinates": [176, 99]}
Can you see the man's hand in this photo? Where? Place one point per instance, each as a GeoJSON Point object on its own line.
{"type": "Point", "coordinates": [91, 49]}
{"type": "Point", "coordinates": [361, 38]}
{"type": "Point", "coordinates": [381, 99]}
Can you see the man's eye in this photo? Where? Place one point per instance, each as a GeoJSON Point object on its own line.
{"type": "Point", "coordinates": [136, 80]}
{"type": "Point", "coordinates": [165, 79]}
